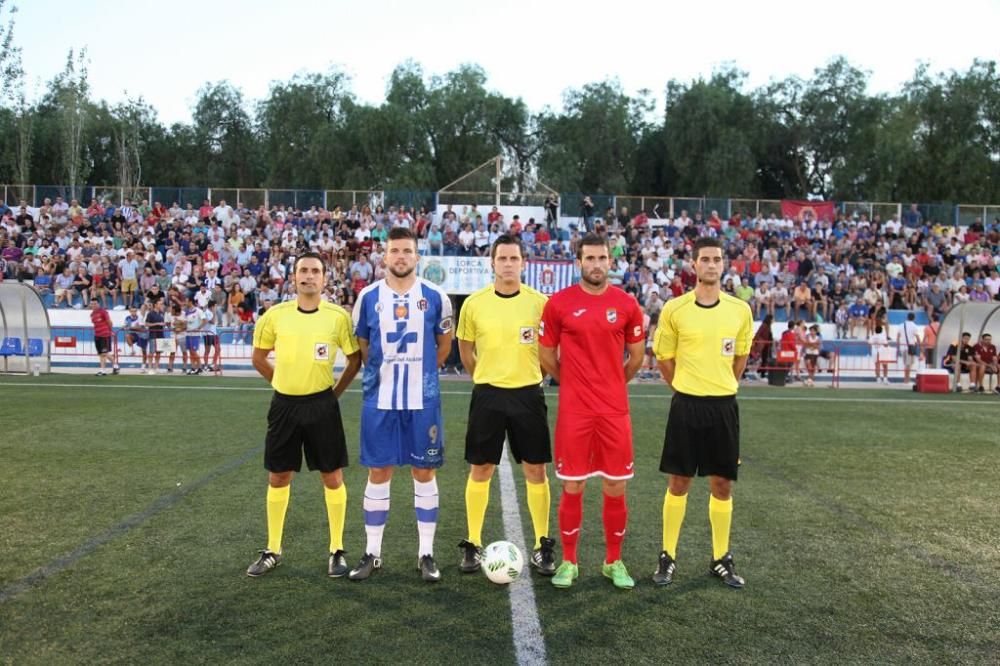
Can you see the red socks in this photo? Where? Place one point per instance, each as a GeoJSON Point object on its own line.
{"type": "Point", "coordinates": [570, 517]}
{"type": "Point", "coordinates": [615, 518]}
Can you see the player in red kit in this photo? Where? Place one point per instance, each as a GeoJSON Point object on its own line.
{"type": "Point", "coordinates": [585, 332]}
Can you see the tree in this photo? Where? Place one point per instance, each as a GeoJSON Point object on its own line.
{"type": "Point", "coordinates": [228, 146]}
{"type": "Point", "coordinates": [300, 127]}
{"type": "Point", "coordinates": [71, 92]}
{"type": "Point", "coordinates": [592, 146]}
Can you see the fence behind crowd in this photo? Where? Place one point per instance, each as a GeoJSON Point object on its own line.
{"type": "Point", "coordinates": [571, 205]}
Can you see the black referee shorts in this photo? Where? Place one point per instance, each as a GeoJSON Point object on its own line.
{"type": "Point", "coordinates": [520, 414]}
{"type": "Point", "coordinates": [305, 422]}
{"type": "Point", "coordinates": [703, 437]}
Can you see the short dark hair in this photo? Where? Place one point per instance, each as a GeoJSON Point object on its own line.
{"type": "Point", "coordinates": [590, 238]}
{"type": "Point", "coordinates": [401, 233]}
{"type": "Point", "coordinates": [308, 255]}
{"type": "Point", "coordinates": [506, 239]}
{"type": "Point", "coordinates": [703, 242]}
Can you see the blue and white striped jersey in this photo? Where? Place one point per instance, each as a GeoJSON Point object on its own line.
{"type": "Point", "coordinates": [402, 330]}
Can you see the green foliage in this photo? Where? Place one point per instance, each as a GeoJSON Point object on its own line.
{"type": "Point", "coordinates": [937, 139]}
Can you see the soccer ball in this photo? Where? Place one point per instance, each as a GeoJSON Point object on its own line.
{"type": "Point", "coordinates": [502, 562]}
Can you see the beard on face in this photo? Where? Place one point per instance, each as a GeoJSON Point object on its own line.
{"type": "Point", "coordinates": [401, 273]}
{"type": "Point", "coordinates": [596, 278]}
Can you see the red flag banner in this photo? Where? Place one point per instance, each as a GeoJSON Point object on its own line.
{"type": "Point", "coordinates": [802, 210]}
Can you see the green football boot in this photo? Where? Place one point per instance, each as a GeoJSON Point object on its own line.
{"type": "Point", "coordinates": [566, 574]}
{"type": "Point", "coordinates": [618, 574]}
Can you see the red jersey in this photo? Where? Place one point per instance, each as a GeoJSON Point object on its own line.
{"type": "Point", "coordinates": [591, 333]}
{"type": "Point", "coordinates": [986, 353]}
{"type": "Point", "coordinates": [102, 323]}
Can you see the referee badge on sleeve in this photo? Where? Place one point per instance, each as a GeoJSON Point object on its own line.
{"type": "Point", "coordinates": [728, 346]}
{"type": "Point", "coordinates": [322, 351]}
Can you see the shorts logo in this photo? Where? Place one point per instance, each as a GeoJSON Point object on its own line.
{"type": "Point", "coordinates": [432, 435]}
{"type": "Point", "coordinates": [527, 335]}
{"type": "Point", "coordinates": [612, 315]}
{"type": "Point", "coordinates": [322, 351]}
{"type": "Point", "coordinates": [728, 346]}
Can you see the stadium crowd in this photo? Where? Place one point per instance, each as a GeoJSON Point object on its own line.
{"type": "Point", "coordinates": [235, 261]}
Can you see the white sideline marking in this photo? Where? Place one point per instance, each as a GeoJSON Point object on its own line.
{"type": "Point", "coordinates": [529, 644]}
{"type": "Point", "coordinates": [553, 396]}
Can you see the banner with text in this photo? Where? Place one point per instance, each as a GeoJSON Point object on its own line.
{"type": "Point", "coordinates": [457, 275]}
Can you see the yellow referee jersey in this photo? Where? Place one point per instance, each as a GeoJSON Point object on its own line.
{"type": "Point", "coordinates": [505, 332]}
{"type": "Point", "coordinates": [305, 345]}
{"type": "Point", "coordinates": [703, 340]}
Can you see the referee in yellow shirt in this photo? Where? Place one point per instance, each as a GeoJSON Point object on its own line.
{"type": "Point", "coordinates": [498, 342]}
{"type": "Point", "coordinates": [702, 343]}
{"type": "Point", "coordinates": [305, 415]}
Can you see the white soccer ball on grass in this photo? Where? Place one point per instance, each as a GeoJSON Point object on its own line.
{"type": "Point", "coordinates": [502, 562]}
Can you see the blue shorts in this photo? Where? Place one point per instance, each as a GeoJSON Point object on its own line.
{"type": "Point", "coordinates": [137, 340]}
{"type": "Point", "coordinates": [193, 342]}
{"type": "Point", "coordinates": [390, 438]}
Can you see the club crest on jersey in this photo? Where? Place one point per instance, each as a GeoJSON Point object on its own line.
{"type": "Point", "coordinates": [728, 346]}
{"type": "Point", "coordinates": [612, 315]}
{"type": "Point", "coordinates": [422, 305]}
{"type": "Point", "coordinates": [322, 351]}
{"type": "Point", "coordinates": [527, 335]}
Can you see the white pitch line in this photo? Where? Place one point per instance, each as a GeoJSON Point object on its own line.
{"type": "Point", "coordinates": [554, 396]}
{"type": "Point", "coordinates": [529, 643]}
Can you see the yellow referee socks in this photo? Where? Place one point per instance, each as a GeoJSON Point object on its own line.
{"type": "Point", "coordinates": [277, 505]}
{"type": "Point", "coordinates": [477, 497]}
{"type": "Point", "coordinates": [674, 507]}
{"type": "Point", "coordinates": [336, 509]}
{"type": "Point", "coordinates": [720, 514]}
{"type": "Point", "coordinates": [539, 501]}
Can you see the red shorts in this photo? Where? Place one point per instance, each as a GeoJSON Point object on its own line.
{"type": "Point", "coordinates": [593, 445]}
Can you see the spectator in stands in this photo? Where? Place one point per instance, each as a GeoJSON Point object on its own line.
{"type": "Point", "coordinates": [64, 287]}
{"type": "Point", "coordinates": [936, 301]}
{"type": "Point", "coordinates": [81, 285]}
{"type": "Point", "coordinates": [802, 299]}
{"type": "Point", "coordinates": [858, 314]}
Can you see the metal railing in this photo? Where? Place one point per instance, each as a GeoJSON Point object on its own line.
{"type": "Point", "coordinates": [656, 206]}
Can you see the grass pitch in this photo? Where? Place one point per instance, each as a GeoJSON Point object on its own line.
{"type": "Point", "coordinates": [865, 523]}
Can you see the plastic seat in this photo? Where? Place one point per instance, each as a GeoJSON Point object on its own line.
{"type": "Point", "coordinates": [36, 347]}
{"type": "Point", "coordinates": [11, 347]}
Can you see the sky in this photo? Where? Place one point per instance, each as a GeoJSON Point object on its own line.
{"type": "Point", "coordinates": [534, 50]}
